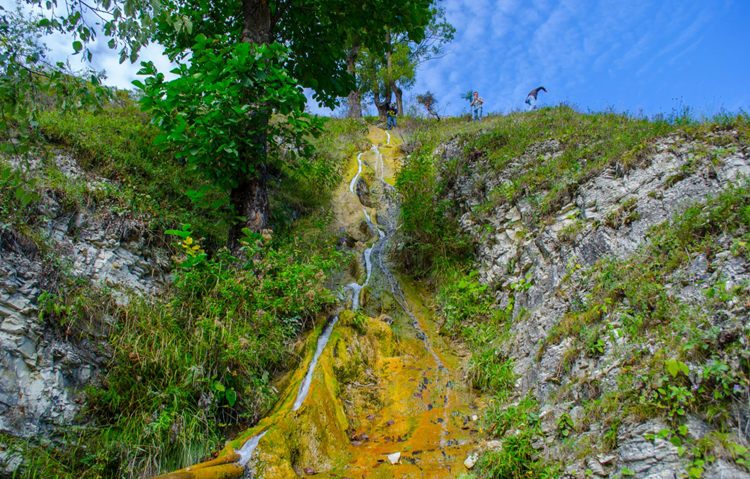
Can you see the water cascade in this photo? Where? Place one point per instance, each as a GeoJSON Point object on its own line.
{"type": "Point", "coordinates": [247, 449]}
{"type": "Point", "coordinates": [304, 388]}
{"type": "Point", "coordinates": [251, 444]}
{"type": "Point", "coordinates": [353, 183]}
{"type": "Point", "coordinates": [433, 412]}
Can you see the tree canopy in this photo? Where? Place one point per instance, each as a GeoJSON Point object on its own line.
{"type": "Point", "coordinates": [238, 101]}
{"type": "Point", "coordinates": [380, 74]}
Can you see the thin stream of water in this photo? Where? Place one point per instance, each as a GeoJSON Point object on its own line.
{"type": "Point", "coordinates": [359, 172]}
{"type": "Point", "coordinates": [304, 388]}
{"type": "Point", "coordinates": [248, 448]}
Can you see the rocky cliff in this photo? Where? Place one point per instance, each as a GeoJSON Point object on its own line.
{"type": "Point", "coordinates": [584, 348]}
{"type": "Point", "coordinates": [46, 363]}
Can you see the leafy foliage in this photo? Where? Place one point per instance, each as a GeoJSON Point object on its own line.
{"type": "Point", "coordinates": [430, 230]}
{"type": "Point", "coordinates": [395, 69]}
{"type": "Point", "coordinates": [200, 359]}
{"type": "Point", "coordinates": [211, 114]}
{"type": "Point", "coordinates": [517, 458]}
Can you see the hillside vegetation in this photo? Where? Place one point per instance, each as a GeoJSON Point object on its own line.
{"type": "Point", "coordinates": [589, 318]}
{"type": "Point", "coordinates": [190, 366]}
{"type": "Point", "coordinates": [595, 326]}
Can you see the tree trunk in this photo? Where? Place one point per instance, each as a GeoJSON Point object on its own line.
{"type": "Point", "coordinates": [355, 97]}
{"type": "Point", "coordinates": [355, 104]}
{"type": "Point", "coordinates": [399, 98]}
{"type": "Point", "coordinates": [250, 197]}
{"type": "Point", "coordinates": [382, 106]}
{"type": "Point", "coordinates": [256, 16]}
{"type": "Point", "coordinates": [390, 86]}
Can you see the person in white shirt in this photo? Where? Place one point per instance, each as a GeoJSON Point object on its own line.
{"type": "Point", "coordinates": [476, 103]}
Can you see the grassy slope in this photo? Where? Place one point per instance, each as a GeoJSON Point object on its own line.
{"type": "Point", "coordinates": [201, 358]}
{"type": "Point", "coordinates": [434, 245]}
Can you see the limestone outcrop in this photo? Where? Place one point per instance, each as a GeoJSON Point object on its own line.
{"type": "Point", "coordinates": [535, 269]}
{"type": "Point", "coordinates": [45, 366]}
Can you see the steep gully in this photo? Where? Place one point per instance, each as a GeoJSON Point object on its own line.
{"type": "Point", "coordinates": [418, 419]}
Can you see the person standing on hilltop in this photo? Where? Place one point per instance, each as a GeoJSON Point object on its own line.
{"type": "Point", "coordinates": [531, 98]}
{"type": "Point", "coordinates": [392, 111]}
{"type": "Point", "coordinates": [476, 103]}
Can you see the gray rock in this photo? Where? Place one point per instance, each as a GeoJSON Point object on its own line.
{"type": "Point", "coordinates": [721, 469]}
{"type": "Point", "coordinates": [471, 461]}
{"type": "Point", "coordinates": [39, 373]}
{"type": "Point", "coordinates": [540, 260]}
{"type": "Point", "coordinates": [596, 467]}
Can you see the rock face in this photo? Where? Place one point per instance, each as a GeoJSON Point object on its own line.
{"type": "Point", "coordinates": [42, 368]}
{"type": "Point", "coordinates": [530, 267]}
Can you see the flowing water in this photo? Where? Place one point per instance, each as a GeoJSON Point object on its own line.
{"type": "Point", "coordinates": [404, 410]}
{"type": "Point", "coordinates": [304, 388]}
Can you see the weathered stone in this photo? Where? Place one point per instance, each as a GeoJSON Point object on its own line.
{"type": "Point", "coordinates": [471, 461]}
{"type": "Point", "coordinates": [38, 373]}
{"type": "Point", "coordinates": [494, 445]}
{"type": "Point", "coordinates": [614, 213]}
{"type": "Point", "coordinates": [596, 467]}
{"type": "Point", "coordinates": [721, 469]}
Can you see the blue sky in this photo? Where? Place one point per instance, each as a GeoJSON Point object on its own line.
{"type": "Point", "coordinates": [625, 54]}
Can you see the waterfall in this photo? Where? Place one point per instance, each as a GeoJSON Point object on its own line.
{"type": "Point", "coordinates": [247, 449]}
{"type": "Point", "coordinates": [304, 388]}
{"type": "Point", "coordinates": [359, 171]}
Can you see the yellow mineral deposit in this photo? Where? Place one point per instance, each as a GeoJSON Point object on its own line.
{"type": "Point", "coordinates": [225, 467]}
{"type": "Point", "coordinates": [379, 405]}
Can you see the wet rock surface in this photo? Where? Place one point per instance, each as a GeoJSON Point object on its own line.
{"type": "Point", "coordinates": [380, 404]}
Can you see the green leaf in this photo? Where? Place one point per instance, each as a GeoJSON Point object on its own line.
{"type": "Point", "coordinates": [676, 441]}
{"type": "Point", "coordinates": [186, 232]}
{"type": "Point", "coordinates": [77, 46]}
{"type": "Point", "coordinates": [231, 397]}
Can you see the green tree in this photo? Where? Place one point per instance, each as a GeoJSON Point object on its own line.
{"type": "Point", "coordinates": [391, 72]}
{"type": "Point", "coordinates": [428, 101]}
{"type": "Point", "coordinates": [379, 76]}
{"type": "Point", "coordinates": [238, 102]}
{"type": "Point", "coordinates": [29, 83]}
